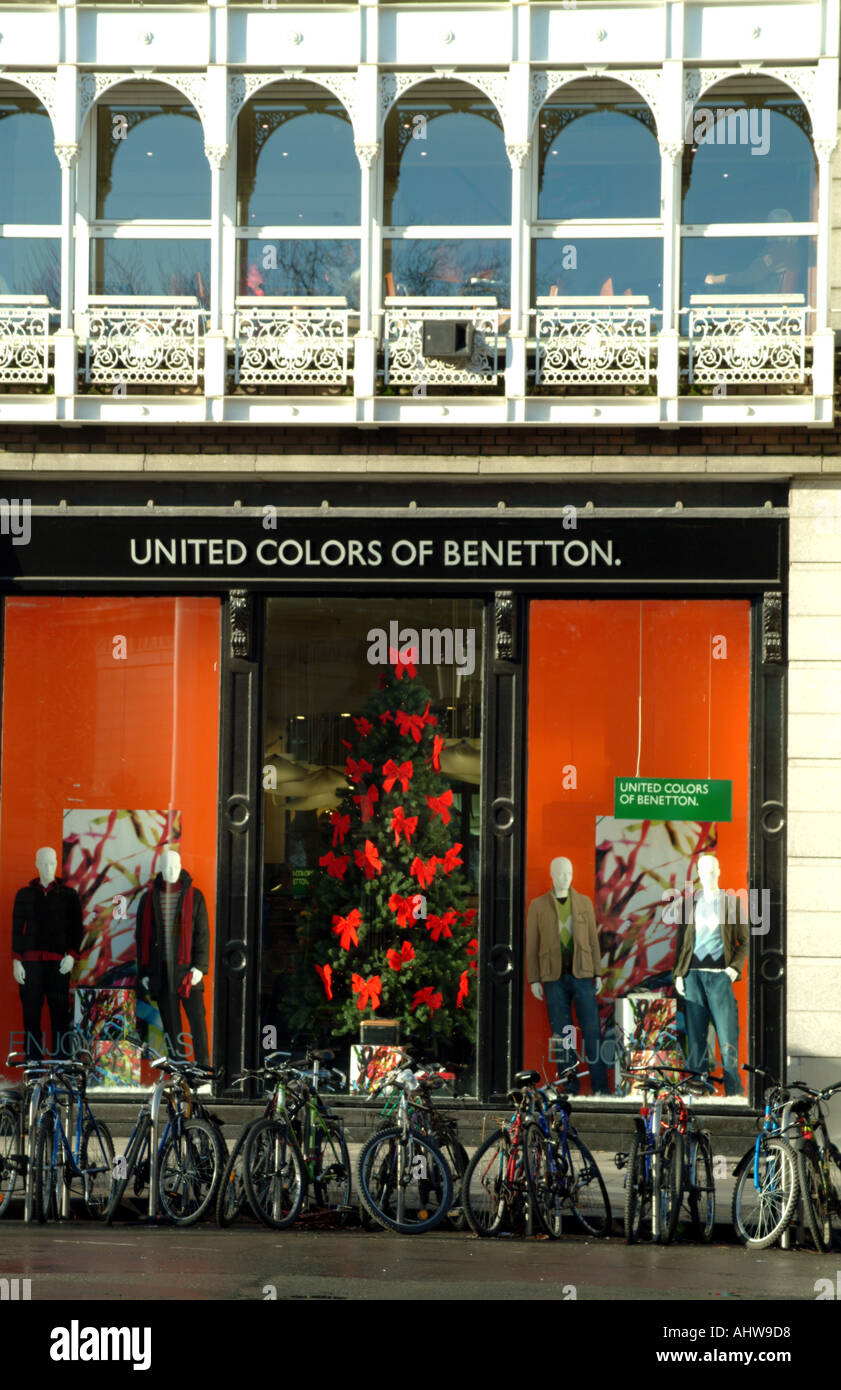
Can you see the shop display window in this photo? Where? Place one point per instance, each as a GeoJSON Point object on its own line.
{"type": "Point", "coordinates": [109, 781]}
{"type": "Point", "coordinates": [657, 909]}
{"type": "Point", "coordinates": [371, 776]}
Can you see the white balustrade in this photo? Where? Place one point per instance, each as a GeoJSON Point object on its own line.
{"type": "Point", "coordinates": [286, 340]}
{"type": "Point", "coordinates": [405, 363]}
{"type": "Point", "coordinates": [25, 338]}
{"type": "Point", "coordinates": [593, 340]}
{"type": "Point", "coordinates": [146, 340]}
{"type": "Point", "coordinates": [744, 340]}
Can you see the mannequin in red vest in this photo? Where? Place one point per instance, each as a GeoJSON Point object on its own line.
{"type": "Point", "coordinates": [173, 947]}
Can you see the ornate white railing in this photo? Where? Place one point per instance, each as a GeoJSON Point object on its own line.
{"type": "Point", "coordinates": [292, 341]}
{"type": "Point", "coordinates": [405, 363]}
{"type": "Point", "coordinates": [145, 340]}
{"type": "Point", "coordinates": [25, 338]}
{"type": "Point", "coordinates": [593, 341]}
{"type": "Point", "coordinates": [747, 339]}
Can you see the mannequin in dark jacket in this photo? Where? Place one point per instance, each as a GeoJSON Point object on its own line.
{"type": "Point", "coordinates": [173, 948]}
{"type": "Point", "coordinates": [47, 934]}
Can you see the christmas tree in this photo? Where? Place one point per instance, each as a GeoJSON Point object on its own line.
{"type": "Point", "coordinates": [389, 933]}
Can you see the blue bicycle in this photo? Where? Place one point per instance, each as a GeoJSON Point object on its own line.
{"type": "Point", "coordinates": [85, 1154]}
{"type": "Point", "coordinates": [560, 1170]}
{"type": "Point", "coordinates": [767, 1181]}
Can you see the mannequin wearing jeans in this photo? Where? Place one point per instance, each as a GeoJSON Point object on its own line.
{"type": "Point", "coordinates": [709, 961]}
{"type": "Point", "coordinates": [563, 959]}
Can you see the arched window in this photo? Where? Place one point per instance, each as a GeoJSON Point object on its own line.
{"type": "Point", "coordinates": [445, 167]}
{"type": "Point", "coordinates": [597, 228]}
{"type": "Point", "coordinates": [298, 195]}
{"type": "Point", "coordinates": [30, 198]}
{"type": "Point", "coordinates": [749, 163]}
{"type": "Point", "coordinates": [150, 234]}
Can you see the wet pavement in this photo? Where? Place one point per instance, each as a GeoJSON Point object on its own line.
{"type": "Point", "coordinates": [78, 1260]}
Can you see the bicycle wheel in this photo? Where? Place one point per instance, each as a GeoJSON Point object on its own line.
{"type": "Point", "coordinates": [9, 1158]}
{"type": "Point", "coordinates": [816, 1198]}
{"type": "Point", "coordinates": [456, 1156]}
{"type": "Point", "coordinates": [701, 1188]}
{"type": "Point", "coordinates": [136, 1158]}
{"type": "Point", "coordinates": [232, 1197]}
{"type": "Point", "coordinates": [190, 1165]}
{"type": "Point", "coordinates": [44, 1179]}
{"type": "Point", "coordinates": [404, 1182]}
{"type": "Point", "coordinates": [587, 1194]}
{"type": "Point", "coordinates": [485, 1188]}
{"type": "Point", "coordinates": [331, 1179]}
{"type": "Point", "coordinates": [638, 1192]}
{"type": "Point", "coordinates": [762, 1209]}
{"type": "Point", "coordinates": [96, 1163]}
{"type": "Point", "coordinates": [671, 1185]}
{"type": "Point", "coordinates": [542, 1180]}
{"type": "Point", "coordinates": [273, 1173]}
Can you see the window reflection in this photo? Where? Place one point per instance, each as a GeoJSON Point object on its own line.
{"type": "Point", "coordinates": [299, 267]}
{"type": "Point", "coordinates": [598, 161]}
{"type": "Point", "coordinates": [744, 157]}
{"type": "Point", "coordinates": [748, 265]}
{"type": "Point", "coordinates": [151, 163]}
{"type": "Point", "coordinates": [445, 163]}
{"type": "Point", "coordinates": [458, 267]}
{"type": "Point", "coordinates": [29, 170]}
{"type": "Point", "coordinates": [599, 266]}
{"type": "Point", "coordinates": [296, 164]}
{"type": "Point", "coordinates": [157, 266]}
{"type": "Point", "coordinates": [31, 266]}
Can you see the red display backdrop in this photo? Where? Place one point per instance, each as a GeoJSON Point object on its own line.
{"type": "Point", "coordinates": [110, 704]}
{"type": "Point", "coordinates": [589, 662]}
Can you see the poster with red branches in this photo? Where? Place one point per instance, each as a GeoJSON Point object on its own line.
{"type": "Point", "coordinates": [390, 933]}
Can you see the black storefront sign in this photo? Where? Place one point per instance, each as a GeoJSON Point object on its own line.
{"type": "Point", "coordinates": [178, 550]}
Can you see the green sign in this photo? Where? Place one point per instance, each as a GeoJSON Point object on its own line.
{"type": "Point", "coordinates": [672, 798]}
{"type": "Point", "coordinates": [301, 882]}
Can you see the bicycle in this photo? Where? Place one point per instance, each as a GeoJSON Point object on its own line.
{"type": "Point", "coordinates": [655, 1161]}
{"type": "Point", "coordinates": [184, 1169]}
{"type": "Point", "coordinates": [18, 1132]}
{"type": "Point", "coordinates": [767, 1183]}
{"type": "Point", "coordinates": [405, 1182]}
{"type": "Point", "coordinates": [495, 1186]}
{"type": "Point", "coordinates": [818, 1164]}
{"type": "Point", "coordinates": [58, 1160]}
{"type": "Point", "coordinates": [232, 1196]}
{"type": "Point", "coordinates": [560, 1170]}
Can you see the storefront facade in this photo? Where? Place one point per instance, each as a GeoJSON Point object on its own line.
{"type": "Point", "coordinates": [280, 691]}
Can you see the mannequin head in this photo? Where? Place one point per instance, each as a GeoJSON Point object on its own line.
{"type": "Point", "coordinates": [561, 874]}
{"type": "Point", "coordinates": [46, 862]}
{"type": "Point", "coordinates": [170, 865]}
{"type": "Point", "coordinates": [708, 872]}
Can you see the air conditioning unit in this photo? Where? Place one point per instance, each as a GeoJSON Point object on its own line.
{"type": "Point", "coordinates": [447, 338]}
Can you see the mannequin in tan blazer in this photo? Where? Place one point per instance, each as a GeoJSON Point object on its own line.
{"type": "Point", "coordinates": [561, 977]}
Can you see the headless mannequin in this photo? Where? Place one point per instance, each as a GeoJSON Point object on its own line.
{"type": "Point", "coordinates": [560, 872]}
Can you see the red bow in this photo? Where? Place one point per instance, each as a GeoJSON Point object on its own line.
{"type": "Point", "coordinates": [401, 823]}
{"type": "Point", "coordinates": [440, 926]}
{"type": "Point", "coordinates": [451, 859]}
{"type": "Point", "coordinates": [392, 773]}
{"type": "Point", "coordinates": [397, 959]}
{"type": "Point", "coordinates": [438, 806]}
{"type": "Point", "coordinates": [341, 826]}
{"type": "Point", "coordinates": [345, 744]}
{"type": "Point", "coordinates": [405, 909]}
{"type": "Point", "coordinates": [367, 991]}
{"type": "Point", "coordinates": [325, 975]}
{"type": "Point", "coordinates": [355, 769]}
{"type": "Point", "coordinates": [403, 660]}
{"type": "Point", "coordinates": [470, 918]}
{"type": "Point", "coordinates": [386, 717]}
{"type": "Point", "coordinates": [365, 802]}
{"type": "Point", "coordinates": [472, 947]}
{"type": "Point", "coordinates": [363, 728]}
{"type": "Point", "coordinates": [462, 990]}
{"type": "Point", "coordinates": [409, 724]}
{"type": "Point", "coordinates": [438, 747]}
{"type": "Point", "coordinates": [424, 872]}
{"type": "Point", "coordinates": [346, 928]}
{"type": "Point", "coordinates": [428, 718]}
{"type": "Point", "coordinates": [369, 859]}
{"type": "Point", "coordinates": [427, 995]}
{"type": "Point", "coordinates": [335, 864]}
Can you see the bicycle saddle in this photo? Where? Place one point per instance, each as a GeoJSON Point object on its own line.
{"type": "Point", "coordinates": [527, 1078]}
{"type": "Point", "coordinates": [323, 1056]}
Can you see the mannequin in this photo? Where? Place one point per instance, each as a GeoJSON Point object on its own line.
{"type": "Point", "coordinates": [709, 960]}
{"type": "Point", "coordinates": [563, 963]}
{"type": "Point", "coordinates": [173, 942]}
{"type": "Point", "coordinates": [47, 935]}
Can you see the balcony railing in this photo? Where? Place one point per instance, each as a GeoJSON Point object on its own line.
{"type": "Point", "coordinates": [745, 340]}
{"type": "Point", "coordinates": [150, 340]}
{"type": "Point", "coordinates": [408, 363]}
{"type": "Point", "coordinates": [285, 341]}
{"type": "Point", "coordinates": [593, 340]}
{"type": "Point", "coordinates": [25, 338]}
